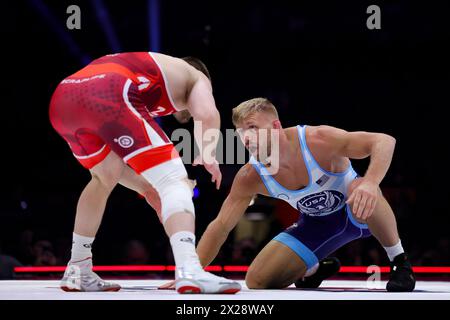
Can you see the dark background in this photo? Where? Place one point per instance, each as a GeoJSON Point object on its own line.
{"type": "Point", "coordinates": [316, 61]}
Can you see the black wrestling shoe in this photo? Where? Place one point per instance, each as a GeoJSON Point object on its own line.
{"type": "Point", "coordinates": [327, 268]}
{"type": "Point", "coordinates": [401, 277]}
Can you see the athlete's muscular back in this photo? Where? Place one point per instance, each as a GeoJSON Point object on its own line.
{"type": "Point", "coordinates": [175, 75]}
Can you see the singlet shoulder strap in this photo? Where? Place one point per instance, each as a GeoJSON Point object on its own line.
{"type": "Point", "coordinates": [310, 162]}
{"type": "Point", "coordinates": [266, 177]}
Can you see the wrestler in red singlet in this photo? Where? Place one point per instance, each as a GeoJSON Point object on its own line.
{"type": "Point", "coordinates": [102, 107]}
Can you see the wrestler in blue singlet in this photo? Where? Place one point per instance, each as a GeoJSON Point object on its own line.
{"type": "Point", "coordinates": [326, 222]}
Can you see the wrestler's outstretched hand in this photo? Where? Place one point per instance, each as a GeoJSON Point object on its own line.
{"type": "Point", "coordinates": [212, 168]}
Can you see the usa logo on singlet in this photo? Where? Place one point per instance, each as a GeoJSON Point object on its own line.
{"type": "Point", "coordinates": [321, 203]}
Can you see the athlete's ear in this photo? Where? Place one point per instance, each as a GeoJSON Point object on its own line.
{"type": "Point", "coordinates": [276, 124]}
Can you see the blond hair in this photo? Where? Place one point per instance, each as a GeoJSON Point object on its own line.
{"type": "Point", "coordinates": [246, 108]}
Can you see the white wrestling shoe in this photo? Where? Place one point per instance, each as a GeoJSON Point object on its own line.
{"type": "Point", "coordinates": [190, 280]}
{"type": "Point", "coordinates": [80, 277]}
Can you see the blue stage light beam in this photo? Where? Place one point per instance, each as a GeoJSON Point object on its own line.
{"type": "Point", "coordinates": [154, 25]}
{"type": "Point", "coordinates": [60, 29]}
{"type": "Point", "coordinates": [103, 16]}
{"type": "Point", "coordinates": [154, 32]}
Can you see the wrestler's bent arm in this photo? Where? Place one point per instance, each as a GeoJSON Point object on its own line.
{"type": "Point", "coordinates": [203, 109]}
{"type": "Point", "coordinates": [358, 145]}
